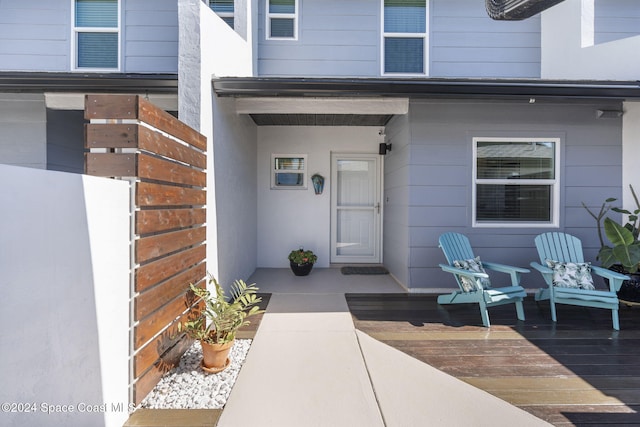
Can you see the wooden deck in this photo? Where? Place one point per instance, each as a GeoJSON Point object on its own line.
{"type": "Point", "coordinates": [577, 372]}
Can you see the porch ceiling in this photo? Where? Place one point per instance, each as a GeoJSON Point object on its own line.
{"type": "Point", "coordinates": [321, 111]}
{"type": "Point", "coordinates": [321, 119]}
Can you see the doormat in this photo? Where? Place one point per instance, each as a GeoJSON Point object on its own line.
{"type": "Point", "coordinates": [364, 270]}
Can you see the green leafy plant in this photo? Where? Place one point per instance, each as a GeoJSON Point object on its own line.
{"type": "Point", "coordinates": [221, 318]}
{"type": "Point", "coordinates": [623, 237]}
{"type": "Point", "coordinates": [300, 256]}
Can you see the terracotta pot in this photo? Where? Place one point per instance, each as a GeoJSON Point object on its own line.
{"type": "Point", "coordinates": [215, 357]}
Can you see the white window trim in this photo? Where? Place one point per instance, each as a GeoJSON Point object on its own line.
{"type": "Point", "coordinates": [74, 40]}
{"type": "Point", "coordinates": [424, 36]}
{"type": "Point", "coordinates": [555, 183]}
{"type": "Point", "coordinates": [224, 14]}
{"type": "Point", "coordinates": [269, 15]}
{"type": "Point", "coordinates": [303, 171]}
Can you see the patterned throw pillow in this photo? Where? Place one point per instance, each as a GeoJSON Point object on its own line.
{"type": "Point", "coordinates": [475, 265]}
{"type": "Point", "coordinates": [571, 274]}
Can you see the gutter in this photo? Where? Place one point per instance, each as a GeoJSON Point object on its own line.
{"type": "Point", "coordinates": [88, 82]}
{"type": "Point", "coordinates": [427, 88]}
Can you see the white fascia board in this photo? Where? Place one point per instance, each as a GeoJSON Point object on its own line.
{"type": "Point", "coordinates": [259, 105]}
{"type": "Point", "coordinates": [75, 101]}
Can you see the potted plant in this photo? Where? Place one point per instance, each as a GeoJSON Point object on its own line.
{"type": "Point", "coordinates": [301, 261]}
{"type": "Point", "coordinates": [219, 320]}
{"type": "Point", "coordinates": [624, 255]}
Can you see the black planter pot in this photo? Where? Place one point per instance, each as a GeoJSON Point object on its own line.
{"type": "Point", "coordinates": [301, 269]}
{"type": "Point", "coordinates": [630, 289]}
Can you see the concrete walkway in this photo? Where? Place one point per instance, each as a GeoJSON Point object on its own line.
{"type": "Point", "coordinates": [308, 366]}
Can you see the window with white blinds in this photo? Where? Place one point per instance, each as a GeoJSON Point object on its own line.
{"type": "Point", "coordinates": [96, 34]}
{"type": "Point", "coordinates": [282, 19]}
{"type": "Point", "coordinates": [404, 41]}
{"type": "Point", "coordinates": [224, 9]}
{"type": "Point", "coordinates": [288, 171]}
{"type": "Point", "coordinates": [516, 182]}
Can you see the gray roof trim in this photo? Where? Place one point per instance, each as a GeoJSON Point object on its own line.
{"type": "Point", "coordinates": [426, 88]}
{"type": "Point", "coordinates": [88, 82]}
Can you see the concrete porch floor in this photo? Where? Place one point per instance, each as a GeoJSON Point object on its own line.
{"type": "Point", "coordinates": [309, 366]}
{"type": "Point", "coordinates": [322, 281]}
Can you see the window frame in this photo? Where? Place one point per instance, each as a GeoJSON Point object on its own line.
{"type": "Point", "coordinates": [75, 31]}
{"type": "Point", "coordinates": [270, 15]}
{"type": "Point", "coordinates": [304, 171]}
{"type": "Point", "coordinates": [225, 15]}
{"type": "Point", "coordinates": [555, 184]}
{"type": "Point", "coordinates": [424, 36]}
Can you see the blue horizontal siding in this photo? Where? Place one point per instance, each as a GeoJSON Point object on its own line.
{"type": "Point", "coordinates": [439, 173]}
{"type": "Point", "coordinates": [335, 38]}
{"type": "Point", "coordinates": [150, 36]}
{"type": "Point", "coordinates": [616, 19]}
{"type": "Point", "coordinates": [321, 53]}
{"type": "Point", "coordinates": [36, 36]}
{"type": "Point", "coordinates": [465, 42]}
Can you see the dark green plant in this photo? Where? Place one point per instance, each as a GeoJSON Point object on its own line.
{"type": "Point", "coordinates": [221, 318]}
{"type": "Point", "coordinates": [623, 237]}
{"type": "Point", "coordinates": [300, 256]}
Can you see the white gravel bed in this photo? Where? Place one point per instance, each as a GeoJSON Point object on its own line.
{"type": "Point", "coordinates": [188, 387]}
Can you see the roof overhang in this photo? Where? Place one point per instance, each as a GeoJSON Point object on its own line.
{"type": "Point", "coordinates": [374, 101]}
{"type": "Point", "coordinates": [66, 91]}
{"type": "Point", "coordinates": [488, 89]}
{"type": "Point", "coordinates": [88, 82]}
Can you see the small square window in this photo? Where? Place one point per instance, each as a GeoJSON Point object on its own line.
{"type": "Point", "coordinates": [289, 171]}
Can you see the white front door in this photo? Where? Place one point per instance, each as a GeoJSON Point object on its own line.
{"type": "Point", "coordinates": [355, 208]}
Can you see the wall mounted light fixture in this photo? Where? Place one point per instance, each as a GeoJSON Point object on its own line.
{"type": "Point", "coordinates": [318, 183]}
{"type": "Point", "coordinates": [608, 114]}
{"type": "Point", "coordinates": [383, 148]}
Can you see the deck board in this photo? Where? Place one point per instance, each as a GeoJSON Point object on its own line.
{"type": "Point", "coordinates": [576, 372]}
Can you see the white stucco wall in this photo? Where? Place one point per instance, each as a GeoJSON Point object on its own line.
{"type": "Point", "coordinates": [288, 219]}
{"type": "Point", "coordinates": [630, 153]}
{"type": "Point", "coordinates": [208, 47]}
{"type": "Point", "coordinates": [397, 201]}
{"type": "Point", "coordinates": [64, 292]}
{"type": "Point", "coordinates": [23, 130]}
{"type": "Point", "coordinates": [565, 29]}
{"type": "Point", "coordinates": [236, 204]}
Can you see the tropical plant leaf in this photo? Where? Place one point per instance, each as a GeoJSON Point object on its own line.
{"type": "Point", "coordinates": [628, 256]}
{"type": "Point", "coordinates": [617, 234]}
{"type": "Point", "coordinates": [606, 257]}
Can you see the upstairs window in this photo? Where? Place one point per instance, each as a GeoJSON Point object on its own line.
{"type": "Point", "coordinates": [282, 19]}
{"type": "Point", "coordinates": [96, 34]}
{"type": "Point", "coordinates": [516, 182]}
{"type": "Point", "coordinates": [404, 36]}
{"type": "Point", "coordinates": [224, 9]}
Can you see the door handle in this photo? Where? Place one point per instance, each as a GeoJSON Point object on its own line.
{"type": "Point", "coordinates": [378, 207]}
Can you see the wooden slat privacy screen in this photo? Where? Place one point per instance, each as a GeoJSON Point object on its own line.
{"type": "Point", "coordinates": [165, 160]}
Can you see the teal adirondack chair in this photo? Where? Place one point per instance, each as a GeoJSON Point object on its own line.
{"type": "Point", "coordinates": [475, 286]}
{"type": "Point", "coordinates": [565, 248]}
